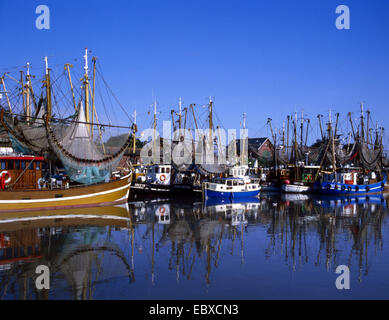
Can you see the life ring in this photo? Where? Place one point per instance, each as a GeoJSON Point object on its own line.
{"type": "Point", "coordinates": [162, 210]}
{"type": "Point", "coordinates": [8, 180]}
{"type": "Point", "coordinates": [162, 177]}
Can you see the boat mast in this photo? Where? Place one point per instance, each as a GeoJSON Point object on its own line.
{"type": "Point", "coordinates": [352, 125]}
{"type": "Point", "coordinates": [287, 138]}
{"type": "Point", "coordinates": [306, 135]}
{"type": "Point", "coordinates": [28, 85]}
{"type": "Point", "coordinates": [67, 66]}
{"type": "Point", "coordinates": [180, 113]}
{"type": "Point", "coordinates": [331, 136]}
{"type": "Point", "coordinates": [134, 130]}
{"type": "Point", "coordinates": [244, 135]}
{"type": "Point", "coordinates": [94, 59]}
{"type": "Point", "coordinates": [362, 125]}
{"type": "Point", "coordinates": [319, 116]}
{"type": "Point", "coordinates": [210, 111]}
{"type": "Point", "coordinates": [186, 113]}
{"type": "Point", "coordinates": [301, 129]}
{"type": "Point", "coordinates": [48, 89]}
{"type": "Point", "coordinates": [86, 90]}
{"type": "Point", "coordinates": [23, 93]}
{"type": "Point", "coordinates": [30, 90]}
{"type": "Point", "coordinates": [283, 137]}
{"type": "Point", "coordinates": [295, 146]}
{"type": "Point", "coordinates": [154, 126]}
{"type": "Point", "coordinates": [367, 127]}
{"type": "Point", "coordinates": [6, 93]}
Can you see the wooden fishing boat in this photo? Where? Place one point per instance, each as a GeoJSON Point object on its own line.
{"type": "Point", "coordinates": [88, 176]}
{"type": "Point", "coordinates": [22, 188]}
{"type": "Point", "coordinates": [107, 194]}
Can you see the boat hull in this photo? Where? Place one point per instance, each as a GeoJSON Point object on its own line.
{"type": "Point", "coordinates": [103, 194]}
{"type": "Point", "coordinates": [171, 191]}
{"type": "Point", "coordinates": [294, 188]}
{"type": "Point", "coordinates": [348, 189]}
{"type": "Point", "coordinates": [231, 195]}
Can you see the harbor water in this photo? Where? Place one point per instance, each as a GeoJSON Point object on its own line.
{"type": "Point", "coordinates": [277, 247]}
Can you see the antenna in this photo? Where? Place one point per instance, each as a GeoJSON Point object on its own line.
{"type": "Point", "coordinates": [46, 65]}
{"type": "Point", "coordinates": [86, 61]}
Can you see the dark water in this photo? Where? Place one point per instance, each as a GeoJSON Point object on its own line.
{"type": "Point", "coordinates": [279, 247]}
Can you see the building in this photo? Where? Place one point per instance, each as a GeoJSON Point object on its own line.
{"type": "Point", "coordinates": [260, 149]}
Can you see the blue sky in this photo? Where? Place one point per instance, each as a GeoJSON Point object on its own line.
{"type": "Point", "coordinates": [265, 58]}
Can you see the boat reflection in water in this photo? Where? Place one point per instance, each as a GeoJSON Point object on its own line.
{"type": "Point", "coordinates": [165, 249]}
{"type": "Point", "coordinates": [74, 244]}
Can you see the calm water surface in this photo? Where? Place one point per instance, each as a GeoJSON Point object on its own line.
{"type": "Point", "coordinates": [278, 247]}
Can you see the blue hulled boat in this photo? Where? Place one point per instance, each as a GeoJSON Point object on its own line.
{"type": "Point", "coordinates": [337, 186]}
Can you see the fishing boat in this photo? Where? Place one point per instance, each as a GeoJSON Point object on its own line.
{"type": "Point", "coordinates": [291, 173]}
{"type": "Point", "coordinates": [230, 188]}
{"type": "Point", "coordinates": [355, 168]}
{"type": "Point", "coordinates": [339, 184]}
{"type": "Point", "coordinates": [89, 177]}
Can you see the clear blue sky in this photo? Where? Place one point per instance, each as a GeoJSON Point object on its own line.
{"type": "Point", "coordinates": [265, 58]}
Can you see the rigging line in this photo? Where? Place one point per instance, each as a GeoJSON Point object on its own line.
{"type": "Point", "coordinates": [102, 101]}
{"type": "Point", "coordinates": [67, 121]}
{"type": "Point", "coordinates": [100, 73]}
{"type": "Point", "coordinates": [111, 103]}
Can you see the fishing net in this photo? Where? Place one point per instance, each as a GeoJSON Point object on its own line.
{"type": "Point", "coordinates": [82, 160]}
{"type": "Point", "coordinates": [369, 158]}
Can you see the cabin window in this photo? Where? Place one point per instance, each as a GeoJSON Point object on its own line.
{"type": "Point", "coordinates": [23, 165]}
{"type": "Point", "coordinates": [2, 164]}
{"type": "Point", "coordinates": [235, 183]}
{"type": "Point", "coordinates": [17, 165]}
{"type": "Point", "coordinates": [229, 183]}
{"type": "Point", "coordinates": [31, 166]}
{"type": "Point", "coordinates": [10, 165]}
{"type": "Point", "coordinates": [38, 165]}
{"type": "Point", "coordinates": [162, 170]}
{"type": "Point", "coordinates": [167, 170]}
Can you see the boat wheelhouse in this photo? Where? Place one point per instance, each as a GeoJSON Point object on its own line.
{"type": "Point", "coordinates": [21, 172]}
{"type": "Point", "coordinates": [230, 188]}
{"type": "Point", "coordinates": [159, 174]}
